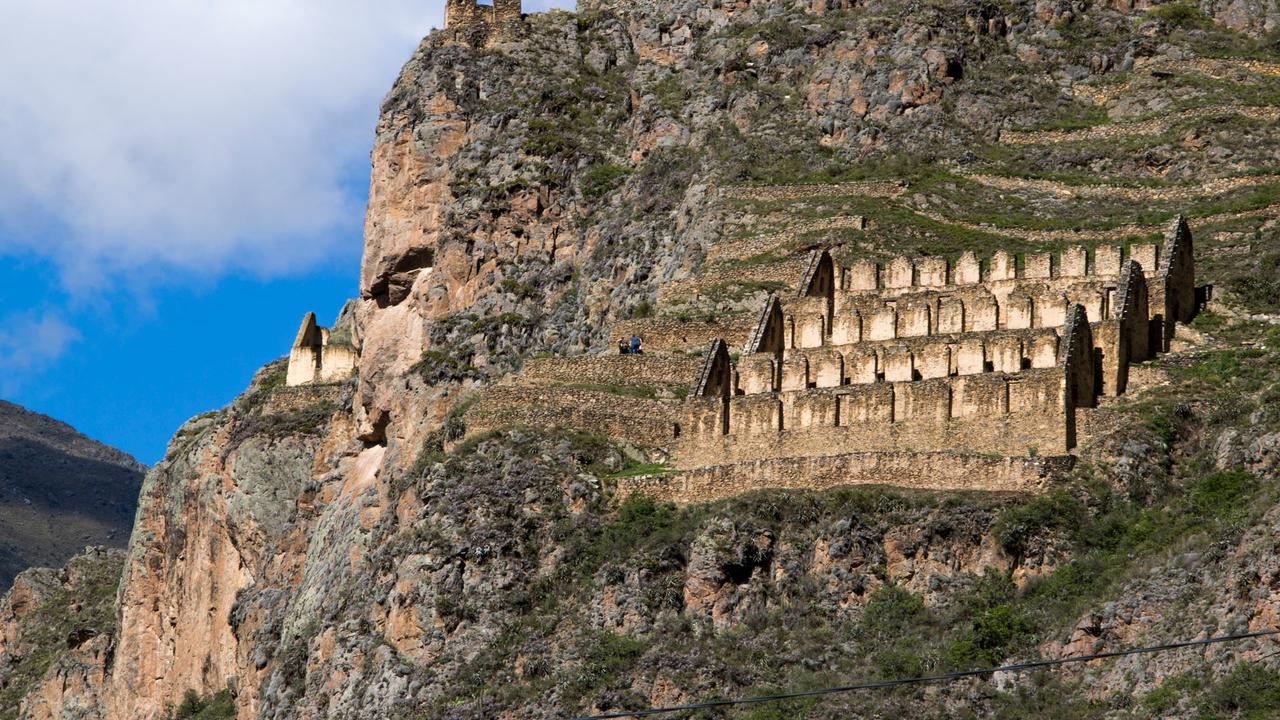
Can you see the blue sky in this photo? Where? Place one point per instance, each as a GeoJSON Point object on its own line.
{"type": "Point", "coordinates": [180, 181]}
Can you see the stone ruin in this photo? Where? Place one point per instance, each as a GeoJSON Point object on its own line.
{"type": "Point", "coordinates": [319, 356]}
{"type": "Point", "coordinates": [471, 17]}
{"type": "Point", "coordinates": [916, 372]}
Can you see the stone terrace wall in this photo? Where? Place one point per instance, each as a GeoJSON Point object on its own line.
{"type": "Point", "coordinates": [918, 470]}
{"type": "Point", "coordinates": [918, 358]}
{"type": "Point", "coordinates": [784, 272]}
{"type": "Point", "coordinates": [903, 274]}
{"type": "Point", "coordinates": [990, 413]}
{"type": "Point", "coordinates": [641, 421]}
{"type": "Point", "coordinates": [613, 369]}
{"type": "Point", "coordinates": [675, 334]}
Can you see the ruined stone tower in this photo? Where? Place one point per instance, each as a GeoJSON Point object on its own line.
{"type": "Point", "coordinates": [471, 15]}
{"type": "Point", "coordinates": [321, 356]}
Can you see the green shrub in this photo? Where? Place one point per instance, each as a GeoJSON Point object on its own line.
{"type": "Point", "coordinates": [994, 634]}
{"type": "Point", "coordinates": [305, 420]}
{"type": "Point", "coordinates": [998, 625]}
{"type": "Point", "coordinates": [895, 662]}
{"type": "Point", "coordinates": [891, 610]}
{"type": "Point", "coordinates": [1220, 493]}
{"type": "Point", "coordinates": [602, 178]}
{"type": "Point", "coordinates": [1182, 14]}
{"type": "Point", "coordinates": [436, 366]}
{"type": "Point", "coordinates": [1249, 692]}
{"type": "Point", "coordinates": [657, 532]}
{"type": "Point", "coordinates": [1165, 698]}
{"type": "Point", "coordinates": [1018, 524]}
{"type": "Point", "coordinates": [218, 706]}
{"type": "Point", "coordinates": [605, 657]}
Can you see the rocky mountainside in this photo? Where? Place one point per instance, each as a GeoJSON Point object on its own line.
{"type": "Point", "coordinates": [59, 491]}
{"type": "Point", "coordinates": [335, 551]}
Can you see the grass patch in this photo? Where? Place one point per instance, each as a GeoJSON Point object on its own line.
{"type": "Point", "coordinates": [639, 469]}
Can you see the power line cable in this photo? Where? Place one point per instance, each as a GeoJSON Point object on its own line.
{"type": "Point", "coordinates": [946, 677]}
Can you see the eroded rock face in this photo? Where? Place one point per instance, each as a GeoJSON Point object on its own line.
{"type": "Point", "coordinates": [224, 540]}
{"type": "Point", "coordinates": [56, 628]}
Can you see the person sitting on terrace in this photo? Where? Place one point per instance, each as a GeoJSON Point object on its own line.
{"type": "Point", "coordinates": [623, 348]}
{"type": "Point", "coordinates": [637, 348]}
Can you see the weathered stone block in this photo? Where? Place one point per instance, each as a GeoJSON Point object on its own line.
{"type": "Point", "coordinates": [933, 360]}
{"type": "Point", "coordinates": [1073, 262]}
{"type": "Point", "coordinates": [921, 402]}
{"type": "Point", "coordinates": [816, 409]}
{"type": "Point", "coordinates": [862, 364]}
{"type": "Point", "coordinates": [1044, 349]}
{"type": "Point", "coordinates": [899, 364]}
{"type": "Point", "coordinates": [913, 319]}
{"type": "Point", "coordinates": [931, 272]}
{"type": "Point", "coordinates": [1038, 265]}
{"type": "Point", "coordinates": [884, 324]}
{"type": "Point", "coordinates": [795, 373]}
{"type": "Point", "coordinates": [981, 396]}
{"type": "Point", "coordinates": [809, 330]}
{"type": "Point", "coordinates": [899, 273]}
{"type": "Point", "coordinates": [1111, 343]}
{"type": "Point", "coordinates": [1036, 392]}
{"type": "Point", "coordinates": [706, 418]}
{"type": "Point", "coordinates": [971, 357]}
{"type": "Point", "coordinates": [1003, 267]}
{"type": "Point", "coordinates": [755, 415]}
{"type": "Point", "coordinates": [950, 316]}
{"type": "Point", "coordinates": [1145, 254]}
{"type": "Point", "coordinates": [859, 404]}
{"type": "Point", "coordinates": [968, 270]}
{"type": "Point", "coordinates": [1051, 310]}
{"type": "Point", "coordinates": [1094, 302]}
{"type": "Point", "coordinates": [826, 368]}
{"type": "Point", "coordinates": [1106, 261]}
{"type": "Point", "coordinates": [863, 275]}
{"type": "Point", "coordinates": [846, 328]}
{"type": "Point", "coordinates": [1018, 310]}
{"type": "Point", "coordinates": [981, 313]}
{"type": "Point", "coordinates": [757, 373]}
{"type": "Point", "coordinates": [1005, 353]}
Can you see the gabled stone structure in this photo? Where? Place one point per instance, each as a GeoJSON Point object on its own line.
{"type": "Point", "coordinates": [917, 371]}
{"type": "Point", "coordinates": [318, 357]}
{"type": "Point", "coordinates": [470, 18]}
{"type": "Point", "coordinates": [920, 354]}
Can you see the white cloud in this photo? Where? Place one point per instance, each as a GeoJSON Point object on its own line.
{"type": "Point", "coordinates": [29, 342]}
{"type": "Point", "coordinates": [197, 135]}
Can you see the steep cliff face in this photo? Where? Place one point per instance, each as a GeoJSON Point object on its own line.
{"type": "Point", "coordinates": [333, 551]}
{"type": "Point", "coordinates": [59, 491]}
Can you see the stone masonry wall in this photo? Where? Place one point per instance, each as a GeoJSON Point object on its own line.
{"type": "Point", "coordinates": [645, 422]}
{"type": "Point", "coordinates": [613, 369]}
{"type": "Point", "coordinates": [915, 470]}
{"type": "Point", "coordinates": [991, 413]}
{"type": "Point", "coordinates": [676, 334]}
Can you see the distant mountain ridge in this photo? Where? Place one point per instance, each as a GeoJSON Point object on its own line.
{"type": "Point", "coordinates": [59, 491]}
